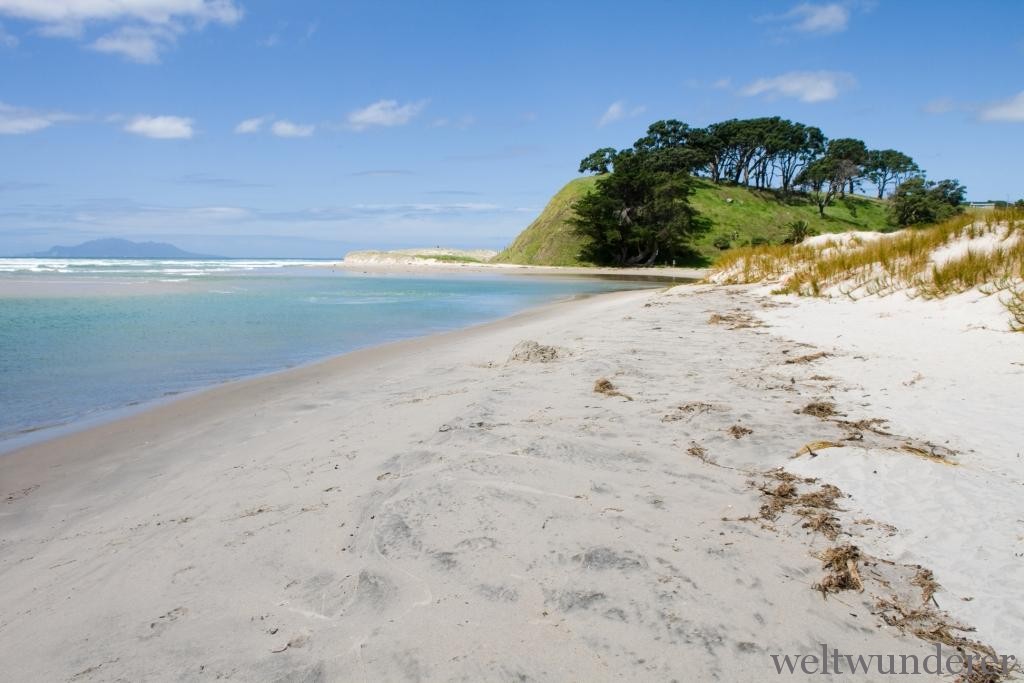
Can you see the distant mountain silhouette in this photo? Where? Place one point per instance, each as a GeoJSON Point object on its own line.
{"type": "Point", "coordinates": [117, 248]}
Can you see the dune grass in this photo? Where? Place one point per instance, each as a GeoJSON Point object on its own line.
{"type": "Point", "coordinates": [1015, 305]}
{"type": "Point", "coordinates": [969, 251]}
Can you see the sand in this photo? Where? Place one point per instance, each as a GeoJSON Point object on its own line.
{"type": "Point", "coordinates": [432, 510]}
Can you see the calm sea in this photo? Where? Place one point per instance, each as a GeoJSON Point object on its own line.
{"type": "Point", "coordinates": [80, 338]}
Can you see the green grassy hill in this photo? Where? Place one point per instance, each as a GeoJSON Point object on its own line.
{"type": "Point", "coordinates": [751, 215]}
{"type": "Point", "coordinates": [548, 240]}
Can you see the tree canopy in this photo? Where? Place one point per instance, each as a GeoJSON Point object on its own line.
{"type": "Point", "coordinates": [765, 153]}
{"type": "Point", "coordinates": [918, 201]}
{"type": "Point", "coordinates": [639, 211]}
{"type": "Point", "coordinates": [887, 167]}
{"type": "Point", "coordinates": [639, 214]}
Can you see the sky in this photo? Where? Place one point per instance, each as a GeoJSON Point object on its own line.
{"type": "Point", "coordinates": [306, 129]}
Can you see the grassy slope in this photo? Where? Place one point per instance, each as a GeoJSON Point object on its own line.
{"type": "Point", "coordinates": [752, 214]}
{"type": "Point", "coordinates": [548, 240]}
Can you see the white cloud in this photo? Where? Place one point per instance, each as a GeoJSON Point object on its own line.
{"type": "Point", "coordinates": [384, 113]}
{"type": "Point", "coordinates": [142, 28]}
{"type": "Point", "coordinates": [722, 84]}
{"type": "Point", "coordinates": [70, 12]}
{"type": "Point", "coordinates": [831, 18]}
{"type": "Point", "coordinates": [140, 44]}
{"type": "Point", "coordinates": [161, 127]}
{"type": "Point", "coordinates": [806, 86]}
{"type": "Point", "coordinates": [1011, 110]}
{"type": "Point", "coordinates": [253, 125]}
{"type": "Point", "coordinates": [19, 120]}
{"type": "Point", "coordinates": [618, 111]}
{"type": "Point", "coordinates": [287, 129]}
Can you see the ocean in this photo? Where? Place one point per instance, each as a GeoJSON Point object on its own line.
{"type": "Point", "coordinates": [82, 339]}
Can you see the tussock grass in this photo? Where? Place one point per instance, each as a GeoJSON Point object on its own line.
{"type": "Point", "coordinates": [967, 252]}
{"type": "Point", "coordinates": [1015, 305]}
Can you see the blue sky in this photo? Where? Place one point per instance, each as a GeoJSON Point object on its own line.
{"type": "Point", "coordinates": [265, 128]}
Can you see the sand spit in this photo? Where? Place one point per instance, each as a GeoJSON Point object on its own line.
{"type": "Point", "coordinates": [467, 507]}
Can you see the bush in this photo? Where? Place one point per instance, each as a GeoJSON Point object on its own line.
{"type": "Point", "coordinates": [917, 201]}
{"type": "Point", "coordinates": [798, 231]}
{"type": "Point", "coordinates": [722, 242]}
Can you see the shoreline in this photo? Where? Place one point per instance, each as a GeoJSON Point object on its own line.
{"type": "Point", "coordinates": [39, 436]}
{"type": "Point", "coordinates": [414, 505]}
{"type": "Point", "coordinates": [405, 266]}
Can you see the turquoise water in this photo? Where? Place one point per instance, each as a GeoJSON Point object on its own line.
{"type": "Point", "coordinates": [173, 327]}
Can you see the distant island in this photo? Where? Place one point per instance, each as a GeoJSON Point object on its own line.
{"type": "Point", "coordinates": [118, 248]}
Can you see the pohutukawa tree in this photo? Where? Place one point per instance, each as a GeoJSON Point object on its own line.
{"type": "Point", "coordinates": [639, 214]}
{"type": "Point", "coordinates": [885, 167]}
{"type": "Point", "coordinates": [917, 201]}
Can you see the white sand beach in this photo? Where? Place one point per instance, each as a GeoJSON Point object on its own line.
{"type": "Point", "coordinates": [437, 510]}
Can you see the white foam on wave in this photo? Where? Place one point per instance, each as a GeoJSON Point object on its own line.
{"type": "Point", "coordinates": [155, 267]}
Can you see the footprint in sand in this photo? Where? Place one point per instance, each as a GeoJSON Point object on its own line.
{"type": "Point", "coordinates": [160, 625]}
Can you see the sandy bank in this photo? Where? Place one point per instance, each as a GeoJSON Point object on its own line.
{"type": "Point", "coordinates": [431, 510]}
{"type": "Point", "coordinates": [419, 267]}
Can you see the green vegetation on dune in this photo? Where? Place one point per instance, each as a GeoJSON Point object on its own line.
{"type": "Point", "coordinates": [448, 258]}
{"type": "Point", "coordinates": [739, 216]}
{"type": "Point", "coordinates": [550, 240]}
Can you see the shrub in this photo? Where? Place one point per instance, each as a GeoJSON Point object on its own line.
{"type": "Point", "coordinates": [798, 231]}
{"type": "Point", "coordinates": [918, 201]}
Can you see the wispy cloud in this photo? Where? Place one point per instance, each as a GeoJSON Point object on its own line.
{"type": "Point", "coordinates": [939, 105]}
{"type": "Point", "coordinates": [1006, 111]}
{"type": "Point", "coordinates": [617, 111]}
{"type": "Point", "coordinates": [208, 180]}
{"type": "Point", "coordinates": [161, 127]}
{"type": "Point", "coordinates": [286, 32]}
{"type": "Point", "coordinates": [253, 125]}
{"type": "Point", "coordinates": [138, 30]}
{"type": "Point", "coordinates": [140, 44]}
{"type": "Point", "coordinates": [822, 19]}
{"type": "Point", "coordinates": [20, 120]}
{"type": "Point", "coordinates": [385, 113]}
{"type": "Point", "coordinates": [806, 86]}
{"type": "Point", "coordinates": [287, 129]}
{"type": "Point", "coordinates": [430, 209]}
